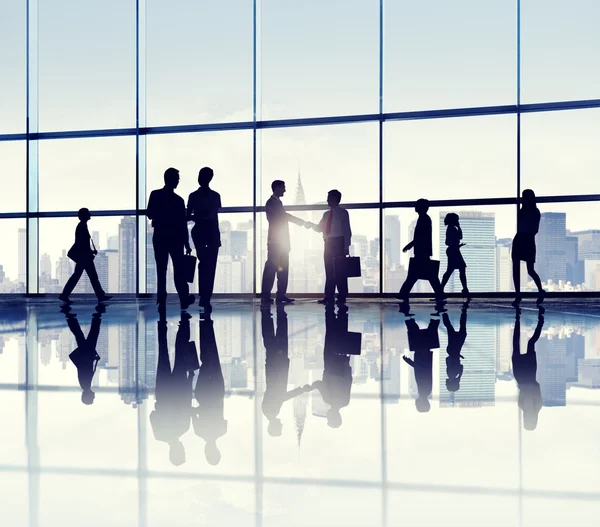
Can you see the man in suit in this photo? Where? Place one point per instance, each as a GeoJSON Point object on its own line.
{"type": "Point", "coordinates": [278, 247]}
{"type": "Point", "coordinates": [167, 212]}
{"type": "Point", "coordinates": [335, 226]}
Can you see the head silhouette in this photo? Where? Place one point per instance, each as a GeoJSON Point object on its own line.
{"type": "Point", "coordinates": [451, 219]}
{"type": "Point", "coordinates": [275, 427]}
{"type": "Point", "coordinates": [334, 418]}
{"type": "Point", "coordinates": [205, 176]}
{"type": "Point", "coordinates": [212, 453]}
{"type": "Point", "coordinates": [423, 405]}
{"type": "Point", "coordinates": [171, 178]}
{"type": "Point", "coordinates": [528, 198]}
{"type": "Point", "coordinates": [422, 206]}
{"type": "Point", "coordinates": [177, 453]}
{"type": "Point", "coordinates": [452, 385]}
{"type": "Point", "coordinates": [334, 197]}
{"type": "Point", "coordinates": [87, 397]}
{"type": "Point", "coordinates": [530, 419]}
{"type": "Point", "coordinates": [278, 188]}
{"type": "Point", "coordinates": [84, 214]}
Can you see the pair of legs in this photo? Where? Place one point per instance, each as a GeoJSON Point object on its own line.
{"type": "Point", "coordinates": [278, 263]}
{"type": "Point", "coordinates": [334, 248]}
{"type": "Point", "coordinates": [89, 267]}
{"type": "Point", "coordinates": [165, 245]}
{"type": "Point", "coordinates": [463, 278]}
{"type": "Point", "coordinates": [517, 276]}
{"type": "Point", "coordinates": [207, 267]}
{"type": "Point", "coordinates": [414, 276]}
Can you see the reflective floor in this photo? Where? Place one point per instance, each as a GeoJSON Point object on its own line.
{"type": "Point", "coordinates": [299, 417]}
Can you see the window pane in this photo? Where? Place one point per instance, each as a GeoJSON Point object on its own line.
{"type": "Point", "coordinates": [114, 238]}
{"type": "Point", "coordinates": [318, 58]}
{"type": "Point", "coordinates": [449, 54]}
{"type": "Point", "coordinates": [187, 46]}
{"type": "Point", "coordinates": [13, 264]}
{"type": "Point", "coordinates": [315, 159]}
{"type": "Point", "coordinates": [13, 27]}
{"type": "Point", "coordinates": [95, 173]}
{"type": "Point", "coordinates": [86, 64]}
{"type": "Point", "coordinates": [466, 157]}
{"type": "Point", "coordinates": [229, 154]}
{"type": "Point", "coordinates": [560, 50]}
{"type": "Point", "coordinates": [14, 176]}
{"type": "Point", "coordinates": [559, 153]}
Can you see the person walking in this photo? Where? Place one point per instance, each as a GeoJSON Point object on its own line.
{"type": "Point", "coordinates": [455, 259]}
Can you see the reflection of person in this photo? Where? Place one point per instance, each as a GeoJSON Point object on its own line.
{"type": "Point", "coordinates": [335, 226]}
{"type": "Point", "coordinates": [208, 418]}
{"type": "Point", "coordinates": [421, 341]}
{"type": "Point", "coordinates": [455, 259]}
{"type": "Point", "coordinates": [523, 245]}
{"type": "Point", "coordinates": [167, 212]}
{"type": "Point", "coordinates": [278, 247]}
{"type": "Point", "coordinates": [456, 340]}
{"type": "Point", "coordinates": [423, 250]}
{"type": "Point", "coordinates": [525, 372]}
{"type": "Point", "coordinates": [83, 256]}
{"type": "Point", "coordinates": [170, 418]}
{"type": "Point", "coordinates": [84, 357]}
{"type": "Point", "coordinates": [202, 208]}
{"type": "Point", "coordinates": [336, 386]}
{"type": "Point", "coordinates": [277, 365]}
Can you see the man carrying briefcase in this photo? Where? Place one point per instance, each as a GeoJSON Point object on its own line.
{"type": "Point", "coordinates": [335, 226]}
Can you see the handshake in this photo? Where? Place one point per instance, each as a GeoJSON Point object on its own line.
{"type": "Point", "coordinates": [311, 225]}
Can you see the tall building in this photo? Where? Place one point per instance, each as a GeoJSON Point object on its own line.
{"type": "Point", "coordinates": [239, 244]}
{"type": "Point", "coordinates": [552, 370]}
{"type": "Point", "coordinates": [127, 252]}
{"type": "Point", "coordinates": [504, 279]}
{"type": "Point", "coordinates": [22, 277]}
{"type": "Point", "coordinates": [150, 262]}
{"type": "Point", "coordinates": [392, 241]}
{"type": "Point", "coordinates": [361, 245]}
{"type": "Point", "coordinates": [572, 258]}
{"type": "Point", "coordinates": [551, 250]}
{"type": "Point", "coordinates": [64, 269]}
{"type": "Point", "coordinates": [589, 373]}
{"type": "Point", "coordinates": [589, 244]}
{"type": "Point", "coordinates": [479, 234]}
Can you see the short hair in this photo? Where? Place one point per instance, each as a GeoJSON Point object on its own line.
{"type": "Point", "coordinates": [206, 172]}
{"type": "Point", "coordinates": [277, 183]}
{"type": "Point", "coordinates": [83, 212]}
{"type": "Point", "coordinates": [422, 204]}
{"type": "Point", "coordinates": [171, 173]}
{"type": "Point", "coordinates": [336, 193]}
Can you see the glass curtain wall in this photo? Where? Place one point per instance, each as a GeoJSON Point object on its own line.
{"type": "Point", "coordinates": [387, 101]}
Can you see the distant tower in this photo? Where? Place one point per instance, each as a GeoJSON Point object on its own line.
{"type": "Point", "coordinates": [300, 196]}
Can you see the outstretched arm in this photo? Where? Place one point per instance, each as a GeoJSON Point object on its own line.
{"type": "Point", "coordinates": [536, 335]}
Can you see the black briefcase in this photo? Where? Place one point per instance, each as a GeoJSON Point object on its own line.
{"type": "Point", "coordinates": [425, 269]}
{"type": "Point", "coordinates": [189, 267]}
{"type": "Point", "coordinates": [353, 342]}
{"type": "Point", "coordinates": [348, 266]}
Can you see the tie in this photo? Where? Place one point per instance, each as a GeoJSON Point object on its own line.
{"type": "Point", "coordinates": [329, 220]}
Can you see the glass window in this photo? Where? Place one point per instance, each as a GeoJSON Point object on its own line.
{"type": "Point", "coordinates": [96, 173]}
{"type": "Point", "coordinates": [114, 237]}
{"type": "Point", "coordinates": [15, 492]}
{"type": "Point", "coordinates": [559, 153]}
{"type": "Point", "coordinates": [229, 154]}
{"type": "Point", "coordinates": [318, 58]}
{"type": "Point", "coordinates": [465, 157]}
{"type": "Point", "coordinates": [198, 61]}
{"type": "Point", "coordinates": [86, 64]}
{"type": "Point", "coordinates": [13, 256]}
{"type": "Point", "coordinates": [313, 160]}
{"type": "Point", "coordinates": [13, 90]}
{"type": "Point", "coordinates": [442, 54]}
{"type": "Point", "coordinates": [14, 176]}
{"type": "Point", "coordinates": [560, 50]}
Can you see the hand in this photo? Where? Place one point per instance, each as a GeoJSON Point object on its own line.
{"type": "Point", "coordinates": [188, 250]}
{"type": "Point", "coordinates": [347, 251]}
{"type": "Point", "coordinates": [405, 249]}
{"type": "Point", "coordinates": [95, 252]}
{"type": "Point", "coordinates": [307, 224]}
{"type": "Point", "coordinates": [462, 244]}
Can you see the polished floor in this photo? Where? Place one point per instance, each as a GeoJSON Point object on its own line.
{"type": "Point", "coordinates": [300, 417]}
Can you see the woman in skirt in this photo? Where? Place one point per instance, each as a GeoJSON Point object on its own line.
{"type": "Point", "coordinates": [455, 258]}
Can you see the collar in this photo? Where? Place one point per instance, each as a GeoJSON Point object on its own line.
{"type": "Point", "coordinates": [276, 197]}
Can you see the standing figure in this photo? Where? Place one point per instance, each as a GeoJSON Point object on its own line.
{"type": "Point", "coordinates": [83, 255]}
{"type": "Point", "coordinates": [456, 341]}
{"type": "Point", "coordinates": [208, 418]}
{"type": "Point", "coordinates": [523, 245]}
{"type": "Point", "coordinates": [455, 259]}
{"type": "Point", "coordinates": [421, 264]}
{"type": "Point", "coordinates": [167, 212]}
{"type": "Point", "coordinates": [278, 247]}
{"type": "Point", "coordinates": [525, 372]}
{"type": "Point", "coordinates": [335, 226]}
{"type": "Point", "coordinates": [203, 208]}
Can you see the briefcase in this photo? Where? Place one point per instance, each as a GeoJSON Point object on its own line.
{"type": "Point", "coordinates": [348, 266]}
{"type": "Point", "coordinates": [353, 342]}
{"type": "Point", "coordinates": [424, 269]}
{"type": "Point", "coordinates": [189, 267]}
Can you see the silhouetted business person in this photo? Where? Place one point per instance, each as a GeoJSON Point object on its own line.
{"type": "Point", "coordinates": [278, 247]}
{"type": "Point", "coordinates": [455, 259]}
{"type": "Point", "coordinates": [525, 372]}
{"type": "Point", "coordinates": [456, 340]}
{"type": "Point", "coordinates": [421, 341]}
{"type": "Point", "coordinates": [277, 365]}
{"type": "Point", "coordinates": [203, 208]}
{"type": "Point", "coordinates": [523, 245]}
{"type": "Point", "coordinates": [335, 226]}
{"type": "Point", "coordinates": [423, 250]}
{"type": "Point", "coordinates": [172, 412]}
{"type": "Point", "coordinates": [84, 356]}
{"type": "Point", "coordinates": [83, 256]}
{"type": "Point", "coordinates": [208, 418]}
{"type": "Point", "coordinates": [167, 212]}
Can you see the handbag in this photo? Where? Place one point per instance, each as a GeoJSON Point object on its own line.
{"type": "Point", "coordinates": [347, 266]}
{"type": "Point", "coordinates": [189, 267]}
{"type": "Point", "coordinates": [73, 254]}
{"type": "Point", "coordinates": [424, 269]}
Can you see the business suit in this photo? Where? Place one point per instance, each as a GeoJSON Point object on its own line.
{"type": "Point", "coordinates": [85, 356]}
{"type": "Point", "coordinates": [337, 235]}
{"type": "Point", "coordinates": [278, 248]}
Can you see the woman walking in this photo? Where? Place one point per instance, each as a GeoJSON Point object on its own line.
{"type": "Point", "coordinates": [455, 259]}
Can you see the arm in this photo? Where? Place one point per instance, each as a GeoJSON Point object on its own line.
{"type": "Point", "coordinates": [409, 246]}
{"type": "Point", "coordinates": [447, 323]}
{"type": "Point", "coordinates": [347, 232]}
{"type": "Point", "coordinates": [190, 209]}
{"type": "Point", "coordinates": [151, 208]}
{"type": "Point", "coordinates": [293, 219]}
{"type": "Point", "coordinates": [184, 228]}
{"type": "Point", "coordinates": [94, 333]}
{"type": "Point", "coordinates": [320, 227]}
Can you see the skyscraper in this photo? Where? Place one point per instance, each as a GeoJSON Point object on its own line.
{"type": "Point", "coordinates": [127, 252]}
{"type": "Point", "coordinates": [392, 233]}
{"type": "Point", "coordinates": [22, 277]}
{"type": "Point", "coordinates": [239, 244]}
{"type": "Point", "coordinates": [589, 244]}
{"type": "Point", "coordinates": [550, 241]}
{"type": "Point", "coordinates": [504, 279]}
{"type": "Point", "coordinates": [552, 371]}
{"type": "Point", "coordinates": [572, 258]}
